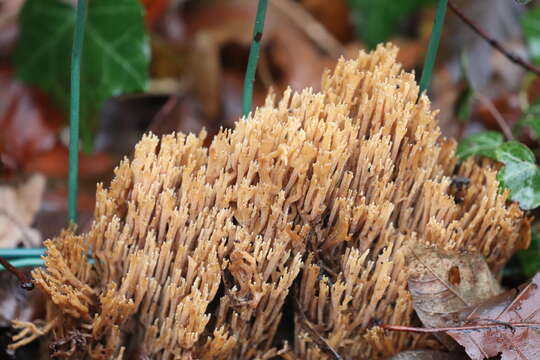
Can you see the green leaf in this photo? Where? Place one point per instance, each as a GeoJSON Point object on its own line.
{"type": "Point", "coordinates": [530, 258]}
{"type": "Point", "coordinates": [483, 143]}
{"type": "Point", "coordinates": [531, 30]}
{"type": "Point", "coordinates": [464, 104]}
{"type": "Point", "coordinates": [376, 21]}
{"type": "Point", "coordinates": [520, 174]}
{"type": "Point", "coordinates": [514, 151]}
{"type": "Point", "coordinates": [115, 57]}
{"type": "Point", "coordinates": [530, 118]}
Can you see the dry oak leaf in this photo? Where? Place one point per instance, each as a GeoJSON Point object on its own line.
{"type": "Point", "coordinates": [18, 206]}
{"type": "Point", "coordinates": [516, 331]}
{"type": "Point", "coordinates": [444, 283]}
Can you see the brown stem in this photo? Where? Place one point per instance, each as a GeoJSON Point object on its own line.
{"type": "Point", "coordinates": [516, 59]}
{"type": "Point", "coordinates": [310, 26]}
{"type": "Point", "coordinates": [460, 328]}
{"type": "Point", "coordinates": [507, 131]}
{"type": "Point", "coordinates": [23, 281]}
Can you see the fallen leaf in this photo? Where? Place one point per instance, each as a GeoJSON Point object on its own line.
{"type": "Point", "coordinates": [28, 121]}
{"type": "Point", "coordinates": [18, 206]}
{"type": "Point", "coordinates": [442, 284]}
{"type": "Point", "coordinates": [510, 341]}
{"type": "Point", "coordinates": [55, 163]}
{"type": "Point", "coordinates": [428, 355]}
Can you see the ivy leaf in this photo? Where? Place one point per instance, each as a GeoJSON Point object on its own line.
{"type": "Point", "coordinates": [115, 55]}
{"type": "Point", "coordinates": [520, 174]}
{"type": "Point", "coordinates": [531, 30]}
{"type": "Point", "coordinates": [530, 258]}
{"type": "Point", "coordinates": [376, 21]}
{"type": "Point", "coordinates": [484, 143]}
{"type": "Point", "coordinates": [531, 118]}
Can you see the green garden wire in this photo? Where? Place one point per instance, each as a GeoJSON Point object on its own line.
{"type": "Point", "coordinates": [253, 57]}
{"type": "Point", "coordinates": [433, 45]}
{"type": "Point", "coordinates": [31, 257]}
{"type": "Point", "coordinates": [75, 90]}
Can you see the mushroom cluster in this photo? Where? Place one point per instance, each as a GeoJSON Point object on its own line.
{"type": "Point", "coordinates": [287, 234]}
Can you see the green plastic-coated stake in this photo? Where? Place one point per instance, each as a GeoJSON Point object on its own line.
{"type": "Point", "coordinates": [76, 54]}
{"type": "Point", "coordinates": [31, 257]}
{"type": "Point", "coordinates": [253, 57]}
{"type": "Point", "coordinates": [433, 45]}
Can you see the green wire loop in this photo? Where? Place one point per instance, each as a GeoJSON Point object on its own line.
{"type": "Point", "coordinates": [76, 54]}
{"type": "Point", "coordinates": [253, 57]}
{"type": "Point", "coordinates": [433, 47]}
{"type": "Point", "coordinates": [22, 252]}
{"type": "Point", "coordinates": [31, 257]}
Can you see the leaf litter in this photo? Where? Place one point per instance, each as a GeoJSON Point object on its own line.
{"type": "Point", "coordinates": [456, 295]}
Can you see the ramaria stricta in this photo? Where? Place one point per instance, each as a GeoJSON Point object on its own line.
{"type": "Point", "coordinates": [302, 214]}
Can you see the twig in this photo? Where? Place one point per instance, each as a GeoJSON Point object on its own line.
{"type": "Point", "coordinates": [253, 57]}
{"type": "Point", "coordinates": [310, 26]}
{"type": "Point", "coordinates": [461, 328]}
{"type": "Point", "coordinates": [76, 54]}
{"type": "Point", "coordinates": [516, 59]}
{"type": "Point", "coordinates": [323, 343]}
{"type": "Point", "coordinates": [23, 281]}
{"type": "Point", "coordinates": [497, 115]}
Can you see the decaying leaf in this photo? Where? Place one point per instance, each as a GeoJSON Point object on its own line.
{"type": "Point", "coordinates": [428, 355]}
{"type": "Point", "coordinates": [518, 339]}
{"type": "Point", "coordinates": [18, 205]}
{"type": "Point", "coordinates": [442, 284]}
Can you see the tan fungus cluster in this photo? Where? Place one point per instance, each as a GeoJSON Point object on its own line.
{"type": "Point", "coordinates": [306, 210]}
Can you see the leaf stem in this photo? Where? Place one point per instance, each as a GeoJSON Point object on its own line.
{"type": "Point", "coordinates": [433, 47]}
{"type": "Point", "coordinates": [76, 54]}
{"type": "Point", "coordinates": [492, 326]}
{"type": "Point", "coordinates": [253, 57]}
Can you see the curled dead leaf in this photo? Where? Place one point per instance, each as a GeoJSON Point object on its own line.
{"type": "Point", "coordinates": [18, 206]}
{"type": "Point", "coordinates": [517, 334]}
{"type": "Point", "coordinates": [443, 283]}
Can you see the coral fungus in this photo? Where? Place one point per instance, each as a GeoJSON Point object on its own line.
{"type": "Point", "coordinates": [306, 209]}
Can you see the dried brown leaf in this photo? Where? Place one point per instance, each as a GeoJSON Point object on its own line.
{"type": "Point", "coordinates": [519, 339]}
{"type": "Point", "coordinates": [18, 206]}
{"type": "Point", "coordinates": [442, 284]}
{"type": "Point", "coordinates": [428, 355]}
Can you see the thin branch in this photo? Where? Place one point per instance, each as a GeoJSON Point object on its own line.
{"type": "Point", "coordinates": [310, 26]}
{"type": "Point", "coordinates": [317, 337]}
{"type": "Point", "coordinates": [497, 115]}
{"type": "Point", "coordinates": [23, 281]}
{"type": "Point", "coordinates": [510, 326]}
{"type": "Point", "coordinates": [516, 59]}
